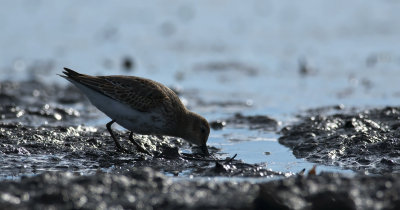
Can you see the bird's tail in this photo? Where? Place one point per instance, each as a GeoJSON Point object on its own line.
{"type": "Point", "coordinates": [70, 74]}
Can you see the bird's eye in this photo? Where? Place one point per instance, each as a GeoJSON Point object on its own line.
{"type": "Point", "coordinates": [203, 130]}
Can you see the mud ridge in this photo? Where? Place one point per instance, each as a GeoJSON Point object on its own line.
{"type": "Point", "coordinates": [146, 189]}
{"type": "Point", "coordinates": [367, 140]}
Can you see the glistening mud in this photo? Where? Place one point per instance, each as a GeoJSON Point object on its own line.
{"type": "Point", "coordinates": [79, 156]}
{"type": "Point", "coordinates": [59, 146]}
{"type": "Point", "coordinates": [365, 140]}
{"type": "Point", "coordinates": [285, 86]}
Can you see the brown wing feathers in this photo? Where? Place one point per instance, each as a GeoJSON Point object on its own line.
{"type": "Point", "coordinates": [140, 94]}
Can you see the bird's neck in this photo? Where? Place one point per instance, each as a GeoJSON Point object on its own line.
{"type": "Point", "coordinates": [184, 125]}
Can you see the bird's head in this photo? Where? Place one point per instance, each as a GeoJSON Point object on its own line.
{"type": "Point", "coordinates": [196, 130]}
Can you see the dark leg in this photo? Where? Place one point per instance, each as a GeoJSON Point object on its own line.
{"type": "Point", "coordinates": [141, 149]}
{"type": "Point", "coordinates": [204, 149]}
{"type": "Point", "coordinates": [119, 147]}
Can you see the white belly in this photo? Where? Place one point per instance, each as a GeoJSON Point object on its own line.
{"type": "Point", "coordinates": [124, 115]}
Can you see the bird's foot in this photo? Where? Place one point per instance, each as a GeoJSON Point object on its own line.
{"type": "Point", "coordinates": [123, 150]}
{"type": "Point", "coordinates": [142, 150]}
{"type": "Point", "coordinates": [139, 148]}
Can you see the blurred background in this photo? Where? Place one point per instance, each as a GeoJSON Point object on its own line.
{"type": "Point", "coordinates": [274, 58]}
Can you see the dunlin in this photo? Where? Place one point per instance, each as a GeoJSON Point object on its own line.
{"type": "Point", "coordinates": [142, 106]}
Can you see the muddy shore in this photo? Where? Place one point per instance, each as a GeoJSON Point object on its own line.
{"type": "Point", "coordinates": [366, 140]}
{"type": "Point", "coordinates": [52, 160]}
{"type": "Point", "coordinates": [146, 189]}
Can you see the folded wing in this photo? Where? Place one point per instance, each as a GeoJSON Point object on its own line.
{"type": "Point", "coordinates": [139, 93]}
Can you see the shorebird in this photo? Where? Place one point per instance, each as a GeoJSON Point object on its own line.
{"type": "Point", "coordinates": [141, 106]}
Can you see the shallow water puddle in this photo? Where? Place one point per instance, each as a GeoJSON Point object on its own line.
{"type": "Point", "coordinates": [253, 146]}
{"type": "Point", "coordinates": [15, 166]}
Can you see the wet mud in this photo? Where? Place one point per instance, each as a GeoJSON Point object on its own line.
{"type": "Point", "coordinates": [330, 191]}
{"type": "Point", "coordinates": [138, 189]}
{"type": "Point", "coordinates": [41, 130]}
{"type": "Point", "coordinates": [51, 159]}
{"type": "Point", "coordinates": [147, 189]}
{"type": "Point", "coordinates": [365, 140]}
{"type": "Point", "coordinates": [31, 150]}
{"type": "Point", "coordinates": [34, 103]}
{"type": "Point", "coordinates": [252, 122]}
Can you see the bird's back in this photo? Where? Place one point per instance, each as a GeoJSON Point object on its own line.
{"type": "Point", "coordinates": [139, 93]}
{"type": "Point", "coordinates": [138, 104]}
